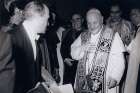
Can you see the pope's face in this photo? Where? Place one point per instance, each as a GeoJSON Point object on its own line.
{"type": "Point", "coordinates": [94, 22]}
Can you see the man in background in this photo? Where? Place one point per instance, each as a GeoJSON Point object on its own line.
{"type": "Point", "coordinates": [70, 65]}
{"type": "Point", "coordinates": [120, 25]}
{"type": "Point", "coordinates": [133, 77]}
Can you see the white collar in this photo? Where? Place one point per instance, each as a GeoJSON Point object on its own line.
{"type": "Point", "coordinates": [31, 31]}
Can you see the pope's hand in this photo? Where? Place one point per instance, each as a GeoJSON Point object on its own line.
{"type": "Point", "coordinates": [111, 83]}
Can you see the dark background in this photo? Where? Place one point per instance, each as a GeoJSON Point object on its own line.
{"type": "Point", "coordinates": [65, 8]}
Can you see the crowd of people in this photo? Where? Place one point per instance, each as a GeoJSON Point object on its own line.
{"type": "Point", "coordinates": [93, 54]}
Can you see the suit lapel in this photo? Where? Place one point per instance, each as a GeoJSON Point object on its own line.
{"type": "Point", "coordinates": [27, 43]}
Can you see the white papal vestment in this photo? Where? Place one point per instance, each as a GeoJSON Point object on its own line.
{"type": "Point", "coordinates": [116, 63]}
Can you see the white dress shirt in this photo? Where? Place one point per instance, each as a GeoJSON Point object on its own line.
{"type": "Point", "coordinates": [31, 32]}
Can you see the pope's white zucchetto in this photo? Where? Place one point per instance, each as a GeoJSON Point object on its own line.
{"type": "Point", "coordinates": [94, 11]}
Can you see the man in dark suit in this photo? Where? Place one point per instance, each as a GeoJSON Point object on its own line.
{"type": "Point", "coordinates": [70, 65]}
{"type": "Point", "coordinates": [26, 53]}
{"type": "Point", "coordinates": [132, 83]}
{"type": "Point", "coordinates": [7, 64]}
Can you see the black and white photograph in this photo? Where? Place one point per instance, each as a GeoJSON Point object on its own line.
{"type": "Point", "coordinates": [69, 46]}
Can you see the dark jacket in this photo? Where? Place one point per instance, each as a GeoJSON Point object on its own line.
{"type": "Point", "coordinates": [67, 41]}
{"type": "Point", "coordinates": [27, 72]}
{"type": "Point", "coordinates": [7, 64]}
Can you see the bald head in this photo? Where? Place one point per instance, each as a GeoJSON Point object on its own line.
{"type": "Point", "coordinates": [94, 19]}
{"type": "Point", "coordinates": [94, 11]}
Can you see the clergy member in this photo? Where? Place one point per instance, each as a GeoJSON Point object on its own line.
{"type": "Point", "coordinates": [100, 54]}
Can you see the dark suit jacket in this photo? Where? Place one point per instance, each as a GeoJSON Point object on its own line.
{"type": "Point", "coordinates": [27, 73]}
{"type": "Point", "coordinates": [68, 39]}
{"type": "Point", "coordinates": [70, 71]}
{"type": "Point", "coordinates": [52, 40]}
{"type": "Point", "coordinates": [7, 64]}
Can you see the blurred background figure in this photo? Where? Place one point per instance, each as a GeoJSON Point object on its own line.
{"type": "Point", "coordinates": [134, 16]}
{"type": "Point", "coordinates": [52, 41]}
{"type": "Point", "coordinates": [120, 25]}
{"type": "Point", "coordinates": [132, 84]}
{"type": "Point", "coordinates": [70, 65]}
{"type": "Point", "coordinates": [15, 15]}
{"type": "Point", "coordinates": [8, 65]}
{"type": "Point", "coordinates": [124, 28]}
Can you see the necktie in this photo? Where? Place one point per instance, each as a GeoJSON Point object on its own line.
{"type": "Point", "coordinates": [42, 57]}
{"type": "Point", "coordinates": [42, 53]}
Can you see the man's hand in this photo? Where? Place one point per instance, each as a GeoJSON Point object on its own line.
{"type": "Point", "coordinates": [111, 83]}
{"type": "Point", "coordinates": [68, 61]}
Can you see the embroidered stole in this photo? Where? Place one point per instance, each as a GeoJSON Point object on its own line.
{"type": "Point", "coordinates": [95, 80]}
